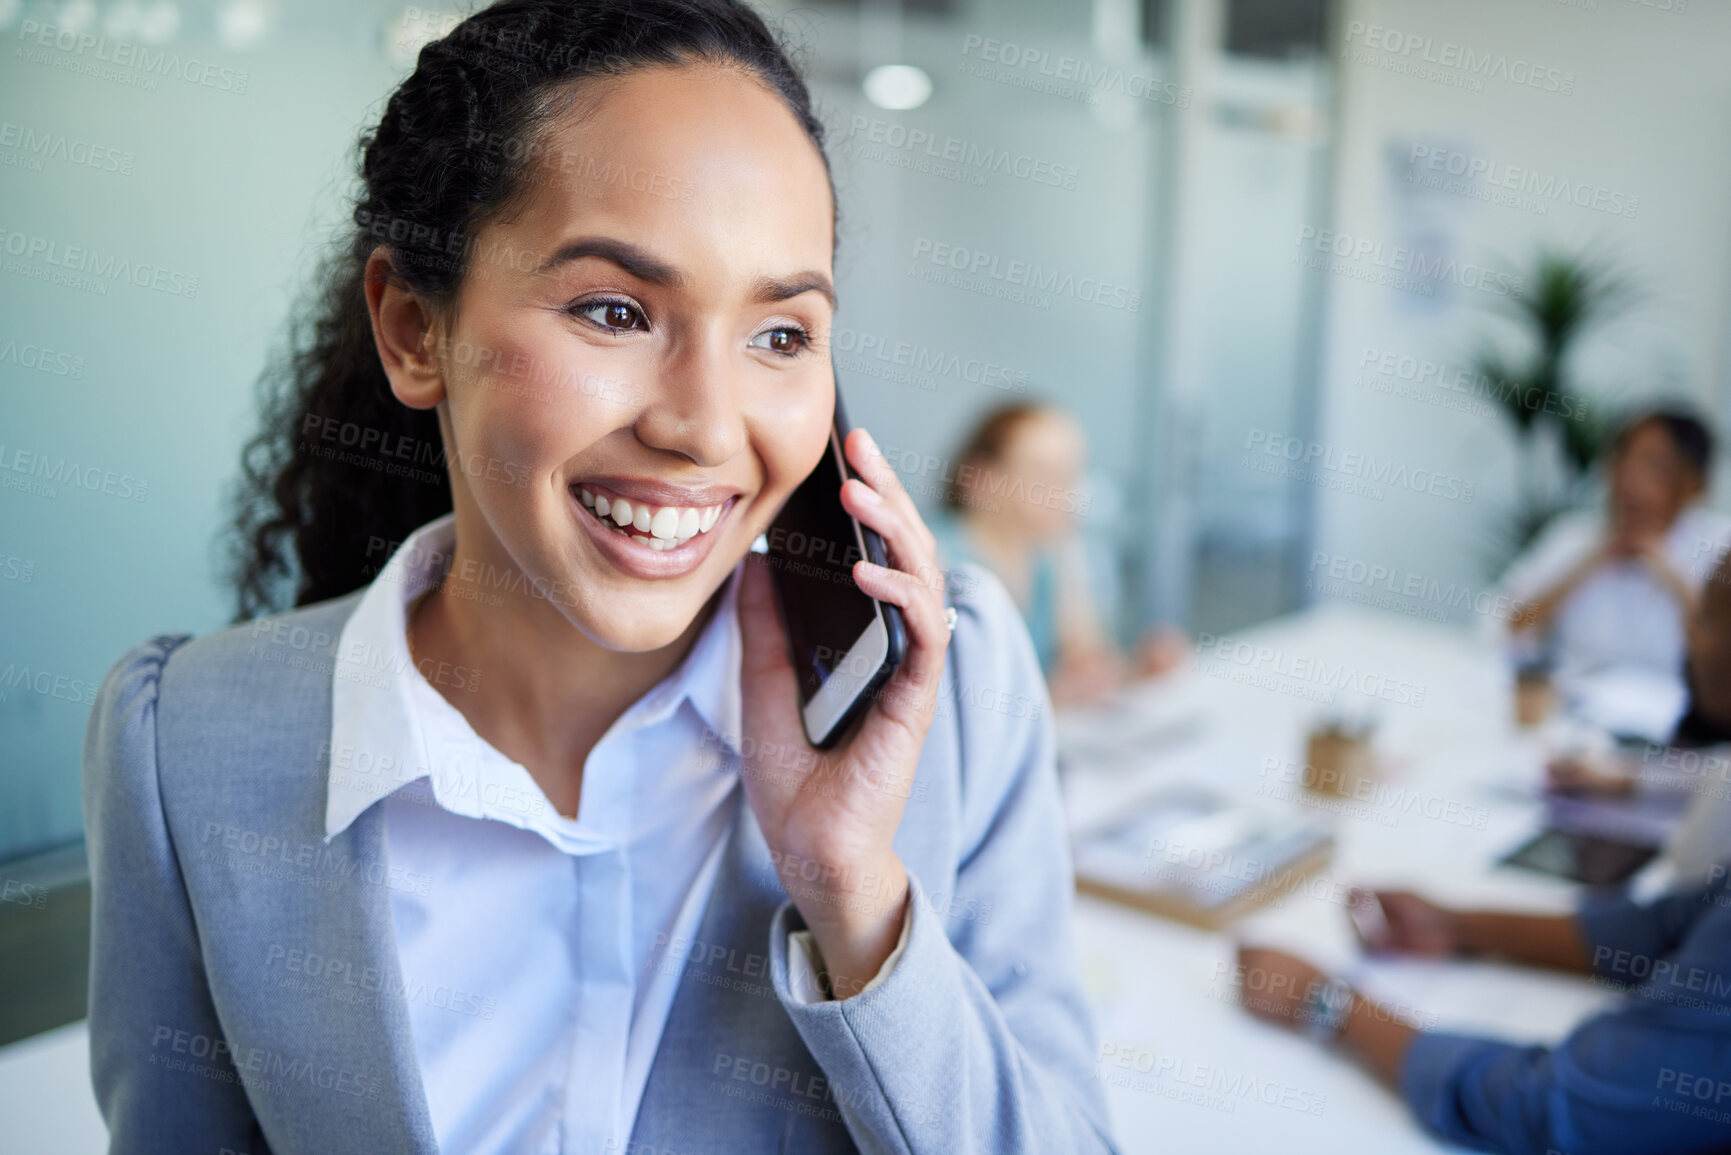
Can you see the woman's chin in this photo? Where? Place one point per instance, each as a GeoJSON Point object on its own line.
{"type": "Point", "coordinates": [637, 626]}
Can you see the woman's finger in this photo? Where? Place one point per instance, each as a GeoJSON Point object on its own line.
{"type": "Point", "coordinates": [917, 586]}
{"type": "Point", "coordinates": [905, 536]}
{"type": "Point", "coordinates": [915, 684]}
{"type": "Point", "coordinates": [912, 583]}
{"type": "Point", "coordinates": [923, 610]}
{"type": "Point", "coordinates": [876, 472]}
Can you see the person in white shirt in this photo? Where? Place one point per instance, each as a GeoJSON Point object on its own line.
{"type": "Point", "coordinates": [1693, 767]}
{"type": "Point", "coordinates": [1611, 592]}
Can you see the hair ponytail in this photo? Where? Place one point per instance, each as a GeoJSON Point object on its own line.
{"type": "Point", "coordinates": [314, 502]}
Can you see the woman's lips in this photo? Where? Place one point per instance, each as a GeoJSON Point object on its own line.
{"type": "Point", "coordinates": [660, 527]}
{"type": "Point", "coordinates": [638, 552]}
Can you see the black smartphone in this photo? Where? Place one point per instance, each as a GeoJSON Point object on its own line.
{"type": "Point", "coordinates": [844, 643]}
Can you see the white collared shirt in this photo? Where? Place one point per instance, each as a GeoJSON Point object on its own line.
{"type": "Point", "coordinates": [1622, 615]}
{"type": "Point", "coordinates": [540, 954]}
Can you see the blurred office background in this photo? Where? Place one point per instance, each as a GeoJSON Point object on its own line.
{"type": "Point", "coordinates": [1191, 154]}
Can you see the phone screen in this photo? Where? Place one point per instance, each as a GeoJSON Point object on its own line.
{"type": "Point", "coordinates": [813, 546]}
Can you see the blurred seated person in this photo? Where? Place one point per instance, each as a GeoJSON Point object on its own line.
{"type": "Point", "coordinates": [1612, 591]}
{"type": "Point", "coordinates": [1011, 504]}
{"type": "Point", "coordinates": [1704, 731]}
{"type": "Point", "coordinates": [1627, 1080]}
{"type": "Point", "coordinates": [1707, 720]}
{"type": "Point", "coordinates": [1647, 1076]}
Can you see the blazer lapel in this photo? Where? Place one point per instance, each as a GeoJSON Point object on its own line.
{"type": "Point", "coordinates": [305, 974]}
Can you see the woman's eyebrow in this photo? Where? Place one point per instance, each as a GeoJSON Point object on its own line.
{"type": "Point", "coordinates": [640, 264]}
{"type": "Point", "coordinates": [768, 289]}
{"type": "Point", "coordinates": [627, 256]}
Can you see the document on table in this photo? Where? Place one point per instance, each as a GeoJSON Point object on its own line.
{"type": "Point", "coordinates": [1193, 854]}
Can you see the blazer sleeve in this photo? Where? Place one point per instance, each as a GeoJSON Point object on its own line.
{"type": "Point", "coordinates": [984, 1043]}
{"type": "Point", "coordinates": [158, 1061]}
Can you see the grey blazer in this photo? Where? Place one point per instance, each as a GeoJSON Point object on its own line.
{"type": "Point", "coordinates": [204, 799]}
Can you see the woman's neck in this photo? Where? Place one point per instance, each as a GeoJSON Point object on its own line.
{"type": "Point", "coordinates": [535, 687]}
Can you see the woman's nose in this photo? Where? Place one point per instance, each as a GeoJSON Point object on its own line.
{"type": "Point", "coordinates": [694, 410]}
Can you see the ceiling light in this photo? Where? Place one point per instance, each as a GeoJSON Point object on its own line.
{"type": "Point", "coordinates": [242, 24]}
{"type": "Point", "coordinates": [897, 87]}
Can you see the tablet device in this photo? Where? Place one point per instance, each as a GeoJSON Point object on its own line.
{"type": "Point", "coordinates": [1590, 858]}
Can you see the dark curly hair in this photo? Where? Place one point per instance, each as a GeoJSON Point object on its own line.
{"type": "Point", "coordinates": [325, 479]}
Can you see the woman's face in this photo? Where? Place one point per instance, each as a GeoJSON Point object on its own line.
{"type": "Point", "coordinates": [1034, 484]}
{"type": "Point", "coordinates": [647, 332]}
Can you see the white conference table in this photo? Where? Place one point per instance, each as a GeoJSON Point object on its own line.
{"type": "Point", "coordinates": [1221, 1081]}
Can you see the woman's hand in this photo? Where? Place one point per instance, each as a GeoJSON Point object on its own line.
{"type": "Point", "coordinates": [1161, 651]}
{"type": "Point", "coordinates": [830, 816]}
{"type": "Point", "coordinates": [1087, 677]}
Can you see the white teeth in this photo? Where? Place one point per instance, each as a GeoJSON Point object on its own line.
{"type": "Point", "coordinates": [669, 526]}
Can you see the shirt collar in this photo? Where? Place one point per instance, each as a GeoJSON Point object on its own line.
{"type": "Point", "coordinates": [379, 740]}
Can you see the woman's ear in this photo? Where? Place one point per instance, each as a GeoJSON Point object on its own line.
{"type": "Point", "coordinates": [405, 333]}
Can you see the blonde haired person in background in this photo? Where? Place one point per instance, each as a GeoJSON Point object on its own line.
{"type": "Point", "coordinates": [1012, 506]}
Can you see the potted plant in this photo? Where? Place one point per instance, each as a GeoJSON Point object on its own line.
{"type": "Point", "coordinates": [1559, 433]}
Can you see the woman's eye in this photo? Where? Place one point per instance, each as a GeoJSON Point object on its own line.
{"type": "Point", "coordinates": [786, 341]}
{"type": "Point", "coordinates": [615, 315]}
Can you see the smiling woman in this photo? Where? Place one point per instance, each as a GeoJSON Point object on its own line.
{"type": "Point", "coordinates": [508, 837]}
